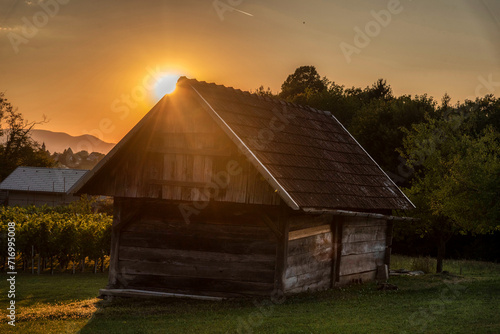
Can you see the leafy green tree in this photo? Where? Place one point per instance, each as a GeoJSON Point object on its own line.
{"type": "Point", "coordinates": [17, 148]}
{"type": "Point", "coordinates": [457, 176]}
{"type": "Point", "coordinates": [379, 126]}
{"type": "Point", "coordinates": [303, 82]}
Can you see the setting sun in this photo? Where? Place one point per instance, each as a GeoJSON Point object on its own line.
{"type": "Point", "coordinates": [165, 85]}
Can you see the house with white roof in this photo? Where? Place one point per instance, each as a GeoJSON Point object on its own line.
{"type": "Point", "coordinates": [39, 186]}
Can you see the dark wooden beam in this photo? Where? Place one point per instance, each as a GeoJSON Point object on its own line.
{"type": "Point", "coordinates": [388, 243]}
{"type": "Point", "coordinates": [121, 217]}
{"type": "Point", "coordinates": [337, 228]}
{"type": "Point", "coordinates": [282, 249]}
{"type": "Point", "coordinates": [272, 225]}
{"type": "Point", "coordinates": [115, 238]}
{"type": "Point", "coordinates": [189, 184]}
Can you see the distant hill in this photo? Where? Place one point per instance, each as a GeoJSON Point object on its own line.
{"type": "Point", "coordinates": [60, 141]}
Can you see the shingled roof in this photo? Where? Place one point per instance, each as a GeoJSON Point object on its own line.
{"type": "Point", "coordinates": [50, 180]}
{"type": "Point", "coordinates": [305, 154]}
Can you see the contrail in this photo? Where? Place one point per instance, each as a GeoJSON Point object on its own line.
{"type": "Point", "coordinates": [242, 12]}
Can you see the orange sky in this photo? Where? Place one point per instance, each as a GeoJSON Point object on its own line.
{"type": "Point", "coordinates": [90, 65]}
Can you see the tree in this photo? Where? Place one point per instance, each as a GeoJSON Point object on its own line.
{"type": "Point", "coordinates": [378, 126]}
{"type": "Point", "coordinates": [17, 148]}
{"type": "Point", "coordinates": [264, 91]}
{"type": "Point", "coordinates": [457, 175]}
{"type": "Point", "coordinates": [303, 82]}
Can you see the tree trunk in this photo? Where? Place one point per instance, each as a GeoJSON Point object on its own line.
{"type": "Point", "coordinates": [441, 252]}
{"type": "Point", "coordinates": [83, 264]}
{"type": "Point", "coordinates": [102, 264]}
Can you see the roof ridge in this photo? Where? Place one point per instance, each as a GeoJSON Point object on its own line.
{"type": "Point", "coordinates": [267, 98]}
{"type": "Point", "coordinates": [53, 168]}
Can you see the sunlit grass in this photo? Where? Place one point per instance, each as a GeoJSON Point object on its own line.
{"type": "Point", "coordinates": [83, 309]}
{"type": "Point", "coordinates": [66, 303]}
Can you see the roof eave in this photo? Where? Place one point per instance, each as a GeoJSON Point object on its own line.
{"type": "Point", "coordinates": [347, 213]}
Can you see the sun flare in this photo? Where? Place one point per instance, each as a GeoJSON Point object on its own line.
{"type": "Point", "coordinates": [165, 85]}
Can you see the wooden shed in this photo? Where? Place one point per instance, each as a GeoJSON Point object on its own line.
{"type": "Point", "coordinates": [219, 192]}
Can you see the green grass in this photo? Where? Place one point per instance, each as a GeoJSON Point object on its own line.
{"type": "Point", "coordinates": [431, 303]}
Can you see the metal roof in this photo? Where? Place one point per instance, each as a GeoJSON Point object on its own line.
{"type": "Point", "coordinates": [53, 180]}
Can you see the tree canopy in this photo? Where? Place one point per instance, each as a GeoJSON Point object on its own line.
{"type": "Point", "coordinates": [457, 162]}
{"type": "Point", "coordinates": [303, 82]}
{"type": "Point", "coordinates": [445, 157]}
{"type": "Point", "coordinates": [16, 146]}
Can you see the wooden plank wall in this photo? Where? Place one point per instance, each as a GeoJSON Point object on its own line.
{"type": "Point", "coordinates": [310, 253]}
{"type": "Point", "coordinates": [181, 154]}
{"type": "Point", "coordinates": [217, 254]}
{"type": "Point", "coordinates": [363, 249]}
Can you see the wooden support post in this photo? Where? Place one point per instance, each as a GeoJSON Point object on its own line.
{"type": "Point", "coordinates": [120, 220]}
{"type": "Point", "coordinates": [115, 237]}
{"type": "Point", "coordinates": [337, 256]}
{"type": "Point", "coordinates": [388, 243]}
{"type": "Point", "coordinates": [282, 249]}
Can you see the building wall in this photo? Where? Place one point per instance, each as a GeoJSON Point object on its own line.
{"type": "Point", "coordinates": [218, 252]}
{"type": "Point", "coordinates": [363, 249]}
{"type": "Point", "coordinates": [310, 253]}
{"type": "Point", "coordinates": [16, 198]}
{"type": "Point", "coordinates": [325, 250]}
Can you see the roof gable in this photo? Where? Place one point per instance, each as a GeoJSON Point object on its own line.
{"type": "Point", "coordinates": [305, 154]}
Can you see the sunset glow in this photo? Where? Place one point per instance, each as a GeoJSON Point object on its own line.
{"type": "Point", "coordinates": [165, 85]}
{"type": "Point", "coordinates": [125, 59]}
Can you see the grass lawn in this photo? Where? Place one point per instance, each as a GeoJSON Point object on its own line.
{"type": "Point", "coordinates": [449, 303]}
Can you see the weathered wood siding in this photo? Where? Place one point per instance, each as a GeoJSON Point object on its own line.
{"type": "Point", "coordinates": [363, 248]}
{"type": "Point", "coordinates": [216, 253]}
{"type": "Point", "coordinates": [182, 155]}
{"type": "Point", "coordinates": [310, 253]}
